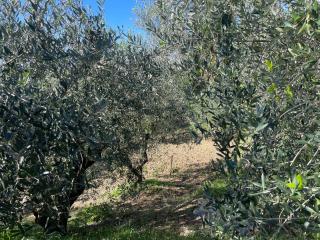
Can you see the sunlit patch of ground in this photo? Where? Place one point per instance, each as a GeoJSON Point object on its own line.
{"type": "Point", "coordinates": [166, 200]}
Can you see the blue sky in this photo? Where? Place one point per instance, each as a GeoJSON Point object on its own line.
{"type": "Point", "coordinates": [118, 13]}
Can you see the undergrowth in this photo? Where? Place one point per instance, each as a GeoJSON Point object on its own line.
{"type": "Point", "coordinates": [103, 232]}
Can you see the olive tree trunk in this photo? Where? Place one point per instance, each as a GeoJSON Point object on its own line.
{"type": "Point", "coordinates": [137, 170]}
{"type": "Point", "coordinates": [59, 223]}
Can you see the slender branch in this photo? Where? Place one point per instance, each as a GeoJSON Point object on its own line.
{"type": "Point", "coordinates": [298, 153]}
{"type": "Point", "coordinates": [289, 110]}
{"type": "Point", "coordinates": [314, 155]}
{"type": "Point", "coordinates": [11, 60]}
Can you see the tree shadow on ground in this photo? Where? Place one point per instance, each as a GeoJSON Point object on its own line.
{"type": "Point", "coordinates": [166, 203]}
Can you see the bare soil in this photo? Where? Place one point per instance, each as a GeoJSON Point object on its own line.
{"type": "Point", "coordinates": [174, 176]}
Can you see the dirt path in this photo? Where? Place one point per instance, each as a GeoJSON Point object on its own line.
{"type": "Point", "coordinates": [170, 193]}
{"type": "Point", "coordinates": [168, 203]}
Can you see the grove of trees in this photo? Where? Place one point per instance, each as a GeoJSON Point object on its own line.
{"type": "Point", "coordinates": [253, 68]}
{"type": "Point", "coordinates": [244, 73]}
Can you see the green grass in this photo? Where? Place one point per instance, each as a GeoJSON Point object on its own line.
{"type": "Point", "coordinates": [122, 190]}
{"type": "Point", "coordinates": [106, 233]}
{"type": "Point", "coordinates": [81, 228]}
{"type": "Point", "coordinates": [124, 233]}
{"type": "Point", "coordinates": [117, 192]}
{"type": "Point", "coordinates": [130, 233]}
{"type": "Point", "coordinates": [88, 223]}
{"type": "Point", "coordinates": [216, 188]}
{"type": "Point", "coordinates": [157, 183]}
{"type": "Point", "coordinates": [90, 215]}
{"type": "Point", "coordinates": [81, 224]}
{"type": "Point", "coordinates": [131, 189]}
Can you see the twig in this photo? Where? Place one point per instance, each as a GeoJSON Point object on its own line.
{"type": "Point", "coordinates": [314, 155]}
{"type": "Point", "coordinates": [11, 60]}
{"type": "Point", "coordinates": [303, 205]}
{"type": "Point", "coordinates": [289, 110]}
{"type": "Point", "coordinates": [298, 153]}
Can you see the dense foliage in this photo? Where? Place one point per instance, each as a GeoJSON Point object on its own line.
{"type": "Point", "coordinates": [253, 70]}
{"type": "Point", "coordinates": [71, 93]}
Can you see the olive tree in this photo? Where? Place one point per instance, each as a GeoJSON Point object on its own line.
{"type": "Point", "coordinates": [49, 132]}
{"type": "Point", "coordinates": [143, 104]}
{"type": "Point", "coordinates": [71, 93]}
{"type": "Point", "coordinates": [253, 71]}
